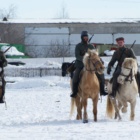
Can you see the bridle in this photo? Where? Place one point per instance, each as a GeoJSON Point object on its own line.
{"type": "Point", "coordinates": [130, 75]}
{"type": "Point", "coordinates": [93, 63]}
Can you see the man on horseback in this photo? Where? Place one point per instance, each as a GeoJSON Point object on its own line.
{"type": "Point", "coordinates": [119, 55]}
{"type": "Point", "coordinates": [3, 63]}
{"type": "Point", "coordinates": [80, 50]}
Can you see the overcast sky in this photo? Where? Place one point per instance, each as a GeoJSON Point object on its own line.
{"type": "Point", "coordinates": [75, 8]}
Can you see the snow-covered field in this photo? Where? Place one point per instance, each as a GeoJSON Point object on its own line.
{"type": "Point", "coordinates": [38, 109]}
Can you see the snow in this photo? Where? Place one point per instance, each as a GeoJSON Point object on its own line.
{"type": "Point", "coordinates": [109, 52]}
{"type": "Point", "coordinates": [38, 109]}
{"type": "Point", "coordinates": [12, 51]}
{"type": "Point", "coordinates": [72, 20]}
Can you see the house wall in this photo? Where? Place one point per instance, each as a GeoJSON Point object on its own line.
{"type": "Point", "coordinates": [37, 37]}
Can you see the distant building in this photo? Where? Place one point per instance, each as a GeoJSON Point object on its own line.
{"type": "Point", "coordinates": [50, 37]}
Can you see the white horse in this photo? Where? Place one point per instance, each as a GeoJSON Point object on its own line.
{"type": "Point", "coordinates": [127, 91]}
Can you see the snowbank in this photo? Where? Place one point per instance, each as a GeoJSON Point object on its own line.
{"type": "Point", "coordinates": [12, 51]}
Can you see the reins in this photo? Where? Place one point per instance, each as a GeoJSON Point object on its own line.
{"type": "Point", "coordinates": [129, 75]}
{"type": "Point", "coordinates": [94, 64]}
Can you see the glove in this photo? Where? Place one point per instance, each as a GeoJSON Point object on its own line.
{"type": "Point", "coordinates": [108, 70]}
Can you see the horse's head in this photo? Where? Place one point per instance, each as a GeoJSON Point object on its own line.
{"type": "Point", "coordinates": [128, 70]}
{"type": "Point", "coordinates": [92, 62]}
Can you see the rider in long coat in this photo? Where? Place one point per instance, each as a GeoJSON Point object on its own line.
{"type": "Point", "coordinates": [80, 50]}
{"type": "Point", "coordinates": [3, 63]}
{"type": "Point", "coordinates": [119, 55]}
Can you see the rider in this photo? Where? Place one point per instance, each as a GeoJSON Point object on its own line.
{"type": "Point", "coordinates": [119, 55]}
{"type": "Point", "coordinates": [3, 63]}
{"type": "Point", "coordinates": [80, 50]}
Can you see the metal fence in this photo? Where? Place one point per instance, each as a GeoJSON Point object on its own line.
{"type": "Point", "coordinates": [32, 72]}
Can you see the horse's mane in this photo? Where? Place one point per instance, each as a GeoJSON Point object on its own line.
{"type": "Point", "coordinates": [130, 62]}
{"type": "Point", "coordinates": [92, 53]}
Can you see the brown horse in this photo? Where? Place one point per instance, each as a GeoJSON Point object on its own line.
{"type": "Point", "coordinates": [127, 91]}
{"type": "Point", "coordinates": [88, 86]}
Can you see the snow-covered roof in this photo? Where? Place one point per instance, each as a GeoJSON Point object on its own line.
{"type": "Point", "coordinates": [97, 20]}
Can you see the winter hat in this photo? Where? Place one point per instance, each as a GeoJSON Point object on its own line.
{"type": "Point", "coordinates": [119, 39]}
{"type": "Point", "coordinates": [84, 33]}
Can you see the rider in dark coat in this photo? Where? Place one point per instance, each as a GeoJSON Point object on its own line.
{"type": "Point", "coordinates": [119, 55]}
{"type": "Point", "coordinates": [3, 63]}
{"type": "Point", "coordinates": [80, 51]}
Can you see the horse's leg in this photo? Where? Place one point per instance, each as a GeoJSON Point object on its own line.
{"type": "Point", "coordinates": [125, 105]}
{"type": "Point", "coordinates": [117, 113]}
{"type": "Point", "coordinates": [132, 104]}
{"type": "Point", "coordinates": [95, 102]}
{"type": "Point", "coordinates": [85, 117]}
{"type": "Point", "coordinates": [119, 107]}
{"type": "Point", "coordinates": [79, 108]}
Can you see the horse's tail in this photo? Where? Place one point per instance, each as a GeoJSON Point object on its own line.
{"type": "Point", "coordinates": [73, 104]}
{"type": "Point", "coordinates": [109, 108]}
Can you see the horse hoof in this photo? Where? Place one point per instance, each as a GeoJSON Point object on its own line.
{"type": "Point", "coordinates": [85, 121]}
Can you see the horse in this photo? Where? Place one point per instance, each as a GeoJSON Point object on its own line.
{"type": "Point", "coordinates": [88, 86]}
{"type": "Point", "coordinates": [127, 91]}
{"type": "Point", "coordinates": [64, 67]}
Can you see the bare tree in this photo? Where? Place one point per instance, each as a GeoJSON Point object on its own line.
{"type": "Point", "coordinates": [58, 49]}
{"type": "Point", "coordinates": [63, 14]}
{"type": "Point", "coordinates": [8, 13]}
{"type": "Point", "coordinates": [9, 33]}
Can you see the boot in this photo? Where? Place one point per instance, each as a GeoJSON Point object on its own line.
{"type": "Point", "coordinates": [101, 79]}
{"type": "Point", "coordinates": [115, 87]}
{"type": "Point", "coordinates": [102, 88]}
{"type": "Point", "coordinates": [103, 92]}
{"type": "Point", "coordinates": [74, 89]}
{"type": "Point", "coordinates": [73, 95]}
{"type": "Point", "coordinates": [1, 100]}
